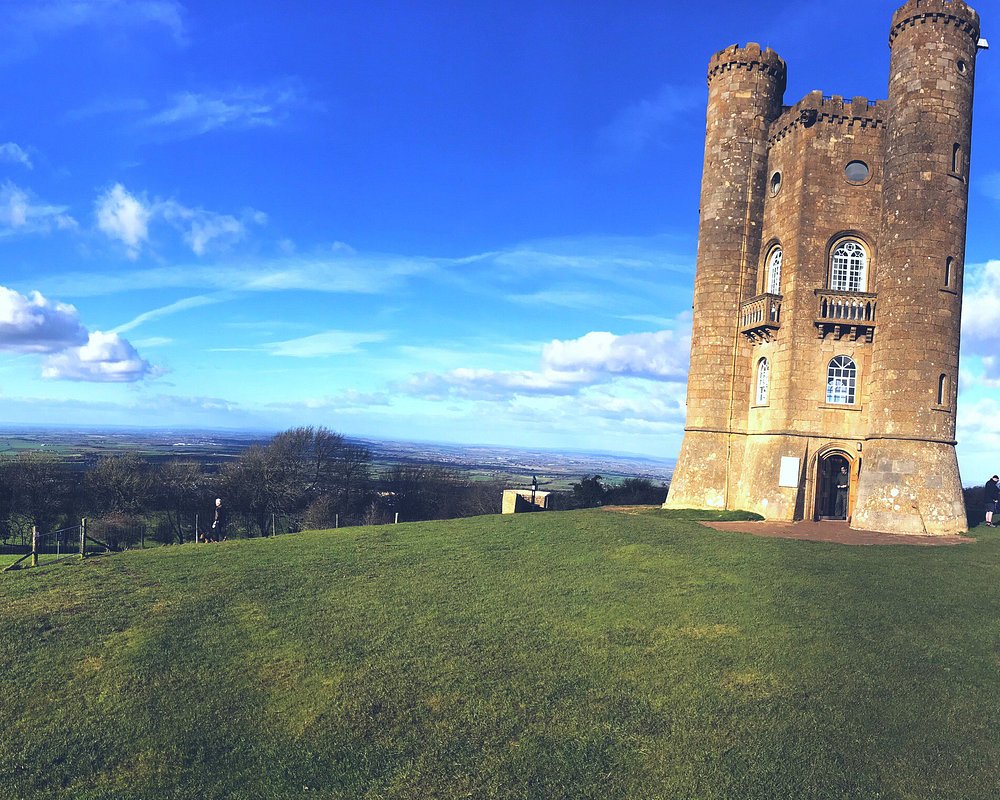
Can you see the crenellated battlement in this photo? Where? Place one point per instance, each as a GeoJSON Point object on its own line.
{"type": "Point", "coordinates": [946, 12]}
{"type": "Point", "coordinates": [750, 58]}
{"type": "Point", "coordinates": [816, 107]}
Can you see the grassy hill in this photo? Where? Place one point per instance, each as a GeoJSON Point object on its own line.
{"type": "Point", "coordinates": [587, 654]}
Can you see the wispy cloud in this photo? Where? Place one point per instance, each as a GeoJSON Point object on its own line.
{"type": "Point", "coordinates": [318, 345]}
{"type": "Point", "coordinates": [173, 308]}
{"type": "Point", "coordinates": [593, 274]}
{"type": "Point", "coordinates": [197, 113]}
{"type": "Point", "coordinates": [21, 213]}
{"type": "Point", "coordinates": [14, 153]}
{"type": "Point", "coordinates": [487, 384]}
{"type": "Point", "coordinates": [328, 343]}
{"type": "Point", "coordinates": [647, 122]}
{"type": "Point", "coordinates": [989, 185]}
{"type": "Point", "coordinates": [25, 23]}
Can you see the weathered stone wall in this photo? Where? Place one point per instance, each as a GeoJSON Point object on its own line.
{"type": "Point", "coordinates": [745, 86]}
{"type": "Point", "coordinates": [911, 454]}
{"type": "Point", "coordinates": [776, 177]}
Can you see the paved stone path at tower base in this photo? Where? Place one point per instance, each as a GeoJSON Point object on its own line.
{"type": "Point", "coordinates": [833, 531]}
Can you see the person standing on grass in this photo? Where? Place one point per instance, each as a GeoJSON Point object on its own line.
{"type": "Point", "coordinates": [219, 523]}
{"type": "Point", "coordinates": [991, 494]}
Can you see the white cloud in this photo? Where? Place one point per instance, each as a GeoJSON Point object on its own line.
{"type": "Point", "coordinates": [981, 319]}
{"type": "Point", "coordinates": [123, 216]}
{"type": "Point", "coordinates": [105, 358]}
{"type": "Point", "coordinates": [33, 324]}
{"type": "Point", "coordinates": [15, 154]}
{"type": "Point", "coordinates": [203, 229]}
{"type": "Point", "coordinates": [659, 356]}
{"type": "Point", "coordinates": [568, 366]}
{"type": "Point", "coordinates": [127, 218]}
{"type": "Point", "coordinates": [20, 213]}
{"type": "Point", "coordinates": [196, 113]}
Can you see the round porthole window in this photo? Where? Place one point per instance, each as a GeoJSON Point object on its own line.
{"type": "Point", "coordinates": [857, 172]}
{"type": "Point", "coordinates": [775, 183]}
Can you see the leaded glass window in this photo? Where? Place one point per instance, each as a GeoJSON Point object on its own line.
{"type": "Point", "coordinates": [774, 272]}
{"type": "Point", "coordinates": [763, 377]}
{"type": "Point", "coordinates": [841, 381]}
{"type": "Point", "coordinates": [849, 267]}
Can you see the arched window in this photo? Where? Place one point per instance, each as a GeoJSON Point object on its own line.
{"type": "Point", "coordinates": [763, 377]}
{"type": "Point", "coordinates": [948, 271]}
{"type": "Point", "coordinates": [956, 158]}
{"type": "Point", "coordinates": [942, 391]}
{"type": "Point", "coordinates": [841, 381]}
{"type": "Point", "coordinates": [849, 267]}
{"type": "Point", "coordinates": [774, 271]}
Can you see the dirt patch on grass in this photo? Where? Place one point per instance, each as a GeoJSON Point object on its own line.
{"type": "Point", "coordinates": [833, 531]}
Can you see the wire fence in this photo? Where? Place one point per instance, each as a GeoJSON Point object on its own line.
{"type": "Point", "coordinates": [48, 547]}
{"type": "Point", "coordinates": [21, 548]}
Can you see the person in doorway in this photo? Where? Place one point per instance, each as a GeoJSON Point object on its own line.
{"type": "Point", "coordinates": [991, 494]}
{"type": "Point", "coordinates": [219, 523]}
{"type": "Point", "coordinates": [843, 487]}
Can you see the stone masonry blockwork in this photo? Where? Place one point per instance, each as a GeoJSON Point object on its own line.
{"type": "Point", "coordinates": [858, 324]}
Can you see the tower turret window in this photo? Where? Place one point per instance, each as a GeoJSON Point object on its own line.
{"type": "Point", "coordinates": [942, 393]}
{"type": "Point", "coordinates": [949, 272]}
{"type": "Point", "coordinates": [841, 381]}
{"type": "Point", "coordinates": [774, 271]}
{"type": "Point", "coordinates": [763, 378]}
{"type": "Point", "coordinates": [849, 267]}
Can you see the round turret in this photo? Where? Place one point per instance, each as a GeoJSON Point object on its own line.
{"type": "Point", "coordinates": [745, 88]}
{"type": "Point", "coordinates": [919, 277]}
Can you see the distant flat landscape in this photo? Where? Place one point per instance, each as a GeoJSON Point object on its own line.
{"type": "Point", "coordinates": [554, 469]}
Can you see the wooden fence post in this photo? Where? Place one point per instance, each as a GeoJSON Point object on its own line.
{"type": "Point", "coordinates": [396, 522]}
{"type": "Point", "coordinates": [83, 538]}
{"type": "Point", "coordinates": [336, 520]}
{"type": "Point", "coordinates": [196, 529]}
{"type": "Point", "coordinates": [34, 546]}
{"type": "Point", "coordinates": [273, 530]}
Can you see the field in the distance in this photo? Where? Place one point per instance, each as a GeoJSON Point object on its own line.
{"type": "Point", "coordinates": [512, 465]}
{"type": "Point", "coordinates": [590, 654]}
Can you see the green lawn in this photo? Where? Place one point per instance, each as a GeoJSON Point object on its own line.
{"type": "Point", "coordinates": [585, 654]}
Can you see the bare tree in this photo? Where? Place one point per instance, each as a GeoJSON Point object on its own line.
{"type": "Point", "coordinates": [180, 490]}
{"type": "Point", "coordinates": [119, 485]}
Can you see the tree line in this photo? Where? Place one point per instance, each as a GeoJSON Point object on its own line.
{"type": "Point", "coordinates": [302, 478]}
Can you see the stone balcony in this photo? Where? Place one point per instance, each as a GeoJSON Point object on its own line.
{"type": "Point", "coordinates": [760, 317]}
{"type": "Point", "coordinates": [841, 314]}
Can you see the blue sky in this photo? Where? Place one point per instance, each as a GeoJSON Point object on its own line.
{"type": "Point", "coordinates": [460, 222]}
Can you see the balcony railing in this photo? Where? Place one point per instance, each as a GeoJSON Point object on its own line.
{"type": "Point", "coordinates": [842, 314]}
{"type": "Point", "coordinates": [760, 317]}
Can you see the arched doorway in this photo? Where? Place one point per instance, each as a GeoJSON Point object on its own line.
{"type": "Point", "coordinates": [833, 490]}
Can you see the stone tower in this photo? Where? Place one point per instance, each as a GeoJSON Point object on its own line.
{"type": "Point", "coordinates": [827, 300]}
